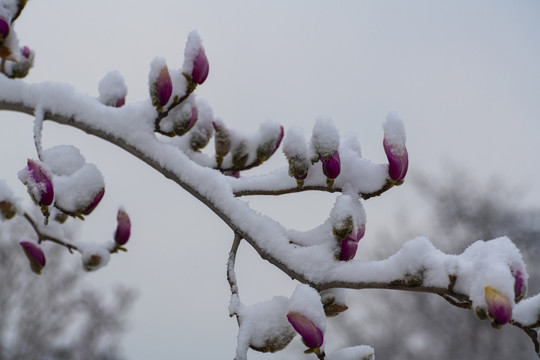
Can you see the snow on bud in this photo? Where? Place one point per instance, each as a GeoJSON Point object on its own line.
{"type": "Point", "coordinates": [296, 151]}
{"type": "Point", "coordinates": [93, 256]}
{"type": "Point", "coordinates": [270, 136]}
{"type": "Point", "coordinates": [112, 89]}
{"type": "Point", "coordinates": [222, 141]}
{"type": "Point", "coordinates": [333, 301]}
{"type": "Point", "coordinates": [160, 83]}
{"type": "Point", "coordinates": [35, 256]}
{"type": "Point", "coordinates": [123, 228]}
{"type": "Point", "coordinates": [239, 154]}
{"type": "Point", "coordinates": [394, 147]}
{"type": "Point", "coordinates": [307, 317]}
{"type": "Point", "coordinates": [196, 66]}
{"type": "Point", "coordinates": [348, 219]}
{"type": "Point", "coordinates": [80, 192]}
{"type": "Point", "coordinates": [499, 306]}
{"type": "Point", "coordinates": [186, 119]}
{"type": "Point", "coordinates": [4, 28]}
{"type": "Point", "coordinates": [38, 180]}
{"type": "Point", "coordinates": [325, 146]}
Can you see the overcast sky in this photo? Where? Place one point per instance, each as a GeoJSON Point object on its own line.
{"type": "Point", "coordinates": [463, 75]}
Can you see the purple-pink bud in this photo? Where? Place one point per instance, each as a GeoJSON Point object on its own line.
{"type": "Point", "coordinates": [398, 161]}
{"type": "Point", "coordinates": [193, 118]}
{"type": "Point", "coordinates": [123, 228]}
{"type": "Point", "coordinates": [120, 102]}
{"type": "Point", "coordinates": [94, 203]}
{"type": "Point", "coordinates": [25, 51]}
{"type": "Point", "coordinates": [200, 67]}
{"type": "Point", "coordinates": [499, 306]}
{"type": "Point", "coordinates": [332, 166]}
{"type": "Point", "coordinates": [35, 256]}
{"type": "Point", "coordinates": [40, 183]}
{"type": "Point", "coordinates": [311, 334]}
{"type": "Point", "coordinates": [520, 287]}
{"type": "Point", "coordinates": [164, 86]}
{"type": "Point", "coordinates": [349, 246]}
{"type": "Point", "coordinates": [4, 28]}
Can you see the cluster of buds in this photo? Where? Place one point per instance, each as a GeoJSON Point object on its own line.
{"type": "Point", "coordinates": [35, 255]}
{"type": "Point", "coordinates": [395, 149]}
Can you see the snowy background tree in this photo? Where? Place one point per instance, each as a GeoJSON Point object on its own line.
{"type": "Point", "coordinates": [22, 97]}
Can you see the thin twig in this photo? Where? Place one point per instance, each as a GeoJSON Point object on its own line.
{"type": "Point", "coordinates": [45, 237]}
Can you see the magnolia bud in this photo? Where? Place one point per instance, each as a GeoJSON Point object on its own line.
{"type": "Point", "coordinates": [35, 256]}
{"type": "Point", "coordinates": [185, 123]}
{"type": "Point", "coordinates": [200, 67]}
{"type": "Point", "coordinates": [112, 89]}
{"type": "Point", "coordinates": [240, 155]}
{"type": "Point", "coordinates": [269, 145]}
{"type": "Point", "coordinates": [4, 28]}
{"type": "Point", "coordinates": [520, 285]}
{"type": "Point", "coordinates": [123, 228]}
{"type": "Point", "coordinates": [160, 83]}
{"type": "Point", "coordinates": [39, 182]}
{"type": "Point", "coordinates": [395, 149]}
{"type": "Point", "coordinates": [499, 306]}
{"type": "Point", "coordinates": [94, 203]}
{"type": "Point", "coordinates": [331, 167]}
{"type": "Point", "coordinates": [311, 334]}
{"type": "Point", "coordinates": [7, 209]}
{"type": "Point", "coordinates": [222, 141]}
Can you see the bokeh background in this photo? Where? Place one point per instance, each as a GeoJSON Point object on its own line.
{"type": "Point", "coordinates": [463, 75]}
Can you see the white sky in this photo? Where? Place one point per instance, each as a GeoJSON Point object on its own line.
{"type": "Point", "coordinates": [463, 75]}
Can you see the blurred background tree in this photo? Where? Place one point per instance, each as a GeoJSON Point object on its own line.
{"type": "Point", "coordinates": [56, 315]}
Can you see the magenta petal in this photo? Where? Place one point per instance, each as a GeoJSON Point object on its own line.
{"type": "Point", "coordinates": [43, 183]}
{"type": "Point", "coordinates": [120, 102]}
{"type": "Point", "coordinates": [498, 305]}
{"type": "Point", "coordinates": [311, 334]}
{"type": "Point", "coordinates": [164, 86]}
{"type": "Point", "coordinates": [123, 229]}
{"type": "Point", "coordinates": [398, 161]}
{"type": "Point", "coordinates": [4, 28]}
{"type": "Point", "coordinates": [348, 249]}
{"type": "Point", "coordinates": [201, 67]}
{"type": "Point", "coordinates": [35, 256]}
{"type": "Point", "coordinates": [331, 166]}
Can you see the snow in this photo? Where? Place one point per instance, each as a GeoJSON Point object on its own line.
{"type": "Point", "coordinates": [306, 301]}
{"type": "Point", "coordinates": [325, 137]}
{"type": "Point", "coordinates": [193, 45]}
{"type": "Point", "coordinates": [112, 88]}
{"type": "Point", "coordinates": [94, 255]}
{"type": "Point", "coordinates": [63, 159]}
{"type": "Point", "coordinates": [362, 352]}
{"type": "Point", "coordinates": [394, 133]}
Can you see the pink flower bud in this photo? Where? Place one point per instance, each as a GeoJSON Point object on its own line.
{"type": "Point", "coordinates": [120, 102]}
{"type": "Point", "coordinates": [280, 137]}
{"type": "Point", "coordinates": [160, 83]}
{"type": "Point", "coordinates": [499, 306]}
{"type": "Point", "coordinates": [398, 161]}
{"type": "Point", "coordinates": [39, 183]}
{"type": "Point", "coordinates": [331, 166]}
{"type": "Point", "coordinates": [94, 202]}
{"type": "Point", "coordinates": [25, 51]}
{"type": "Point", "coordinates": [35, 256]}
{"type": "Point", "coordinates": [200, 67]}
{"type": "Point", "coordinates": [520, 286]}
{"type": "Point", "coordinates": [4, 28]}
{"type": "Point", "coordinates": [123, 229]}
{"type": "Point", "coordinates": [311, 334]}
{"type": "Point", "coordinates": [350, 244]}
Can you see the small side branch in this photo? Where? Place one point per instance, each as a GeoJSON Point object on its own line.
{"type": "Point", "coordinates": [532, 333]}
{"type": "Point", "coordinates": [231, 276]}
{"type": "Point", "coordinates": [45, 237]}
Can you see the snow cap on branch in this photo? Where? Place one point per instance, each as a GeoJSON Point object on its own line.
{"type": "Point", "coordinates": [196, 64]}
{"type": "Point", "coordinates": [394, 147]}
{"type": "Point", "coordinates": [35, 255]}
{"type": "Point", "coordinates": [112, 89]}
